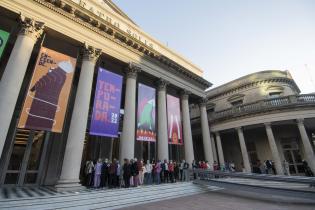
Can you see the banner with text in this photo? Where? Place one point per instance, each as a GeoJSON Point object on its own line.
{"type": "Point", "coordinates": [105, 116]}
{"type": "Point", "coordinates": [47, 97]}
{"type": "Point", "coordinates": [174, 120]}
{"type": "Point", "coordinates": [4, 36]}
{"type": "Point", "coordinates": [146, 113]}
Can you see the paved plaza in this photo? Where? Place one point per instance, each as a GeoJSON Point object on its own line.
{"type": "Point", "coordinates": [218, 201]}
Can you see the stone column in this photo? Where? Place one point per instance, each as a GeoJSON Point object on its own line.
{"type": "Point", "coordinates": [308, 148]}
{"type": "Point", "coordinates": [220, 150]}
{"type": "Point", "coordinates": [243, 150]}
{"type": "Point", "coordinates": [162, 142]}
{"type": "Point", "coordinates": [274, 150]}
{"type": "Point", "coordinates": [215, 154]}
{"type": "Point", "coordinates": [207, 145]}
{"type": "Point", "coordinates": [69, 177]}
{"type": "Point", "coordinates": [14, 72]}
{"type": "Point", "coordinates": [127, 139]}
{"type": "Point", "coordinates": [189, 149]}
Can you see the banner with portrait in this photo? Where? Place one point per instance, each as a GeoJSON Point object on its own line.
{"type": "Point", "coordinates": [146, 130]}
{"type": "Point", "coordinates": [4, 37]}
{"type": "Point", "coordinates": [174, 120]}
{"type": "Point", "coordinates": [46, 101]}
{"type": "Point", "coordinates": [106, 108]}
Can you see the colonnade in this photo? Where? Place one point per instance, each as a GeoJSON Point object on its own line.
{"type": "Point", "coordinates": [309, 152]}
{"type": "Point", "coordinates": [13, 77]}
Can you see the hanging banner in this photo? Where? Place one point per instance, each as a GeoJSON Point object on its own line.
{"type": "Point", "coordinates": [105, 116]}
{"type": "Point", "coordinates": [146, 113]}
{"type": "Point", "coordinates": [4, 36]}
{"type": "Point", "coordinates": [47, 97]}
{"type": "Point", "coordinates": [174, 120]}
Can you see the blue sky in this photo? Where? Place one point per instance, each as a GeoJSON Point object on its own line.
{"type": "Point", "coordinates": [231, 38]}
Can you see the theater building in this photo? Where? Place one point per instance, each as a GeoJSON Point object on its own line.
{"type": "Point", "coordinates": [261, 116]}
{"type": "Point", "coordinates": [81, 81]}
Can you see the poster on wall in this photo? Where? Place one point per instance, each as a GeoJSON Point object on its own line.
{"type": "Point", "coordinates": [47, 96]}
{"type": "Point", "coordinates": [146, 114]}
{"type": "Point", "coordinates": [4, 36]}
{"type": "Point", "coordinates": [106, 108]}
{"type": "Point", "coordinates": [174, 120]}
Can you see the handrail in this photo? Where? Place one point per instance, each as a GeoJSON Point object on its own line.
{"type": "Point", "coordinates": [266, 104]}
{"type": "Point", "coordinates": [207, 174]}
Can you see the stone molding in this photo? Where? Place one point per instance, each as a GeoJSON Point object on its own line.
{"type": "Point", "coordinates": [203, 102]}
{"type": "Point", "coordinates": [132, 70]}
{"type": "Point", "coordinates": [254, 84]}
{"type": "Point", "coordinates": [162, 84]}
{"type": "Point", "coordinates": [30, 27]}
{"type": "Point", "coordinates": [96, 24]}
{"type": "Point", "coordinates": [184, 94]}
{"type": "Point", "coordinates": [91, 53]}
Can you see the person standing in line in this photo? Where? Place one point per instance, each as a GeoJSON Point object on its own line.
{"type": "Point", "coordinates": [165, 171]}
{"type": "Point", "coordinates": [181, 170]}
{"type": "Point", "coordinates": [104, 175]}
{"type": "Point", "coordinates": [307, 170]}
{"type": "Point", "coordinates": [176, 171]}
{"type": "Point", "coordinates": [140, 169]}
{"type": "Point", "coordinates": [215, 166]}
{"type": "Point", "coordinates": [118, 173]}
{"type": "Point", "coordinates": [126, 173]}
{"type": "Point", "coordinates": [286, 168]}
{"type": "Point", "coordinates": [112, 174]}
{"type": "Point", "coordinates": [148, 173]}
{"type": "Point", "coordinates": [194, 166]}
{"type": "Point", "coordinates": [89, 168]}
{"type": "Point", "coordinates": [171, 171]}
{"type": "Point", "coordinates": [98, 172]}
{"type": "Point", "coordinates": [158, 170]}
{"type": "Point", "coordinates": [135, 172]}
{"type": "Point", "coordinates": [186, 171]}
{"type": "Point", "coordinates": [269, 167]}
{"type": "Point", "coordinates": [153, 171]}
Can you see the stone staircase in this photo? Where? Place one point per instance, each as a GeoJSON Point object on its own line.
{"type": "Point", "coordinates": [104, 199]}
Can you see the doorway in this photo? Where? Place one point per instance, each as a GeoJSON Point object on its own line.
{"type": "Point", "coordinates": [24, 163]}
{"type": "Point", "coordinates": [292, 154]}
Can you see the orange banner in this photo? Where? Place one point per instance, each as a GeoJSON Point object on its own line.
{"type": "Point", "coordinates": [47, 97]}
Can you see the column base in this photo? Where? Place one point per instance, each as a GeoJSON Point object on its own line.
{"type": "Point", "coordinates": [69, 185]}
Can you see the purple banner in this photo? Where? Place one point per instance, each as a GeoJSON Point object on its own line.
{"type": "Point", "coordinates": [105, 117]}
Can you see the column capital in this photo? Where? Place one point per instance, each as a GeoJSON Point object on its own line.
{"type": "Point", "coordinates": [132, 70]}
{"type": "Point", "coordinates": [162, 84]}
{"type": "Point", "coordinates": [217, 133]}
{"type": "Point", "coordinates": [267, 124]}
{"type": "Point", "coordinates": [30, 27]}
{"type": "Point", "coordinates": [203, 102]}
{"type": "Point", "coordinates": [300, 121]}
{"type": "Point", "coordinates": [91, 53]}
{"type": "Point", "coordinates": [184, 94]}
{"type": "Point", "coordinates": [240, 128]}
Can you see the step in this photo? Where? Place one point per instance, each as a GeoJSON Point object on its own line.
{"type": "Point", "coordinates": [115, 198]}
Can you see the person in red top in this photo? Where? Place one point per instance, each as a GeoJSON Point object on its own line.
{"type": "Point", "coordinates": [171, 170]}
{"type": "Point", "coordinates": [140, 169]}
{"type": "Point", "coordinates": [204, 165]}
{"type": "Point", "coordinates": [112, 173]}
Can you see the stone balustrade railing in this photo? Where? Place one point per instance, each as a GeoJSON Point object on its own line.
{"type": "Point", "coordinates": [265, 105]}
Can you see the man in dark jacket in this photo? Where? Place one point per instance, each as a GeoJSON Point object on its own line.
{"type": "Point", "coordinates": [112, 174]}
{"type": "Point", "coordinates": [126, 173]}
{"type": "Point", "coordinates": [104, 175]}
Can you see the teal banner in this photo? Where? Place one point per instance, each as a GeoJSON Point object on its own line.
{"type": "Point", "coordinates": [4, 36]}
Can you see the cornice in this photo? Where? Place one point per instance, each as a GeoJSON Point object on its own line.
{"type": "Point", "coordinates": [91, 21]}
{"type": "Point", "coordinates": [254, 84]}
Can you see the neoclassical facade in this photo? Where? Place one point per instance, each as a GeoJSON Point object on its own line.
{"type": "Point", "coordinates": [98, 34]}
{"type": "Point", "coordinates": [261, 116]}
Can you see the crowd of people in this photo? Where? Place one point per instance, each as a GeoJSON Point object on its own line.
{"type": "Point", "coordinates": [134, 172]}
